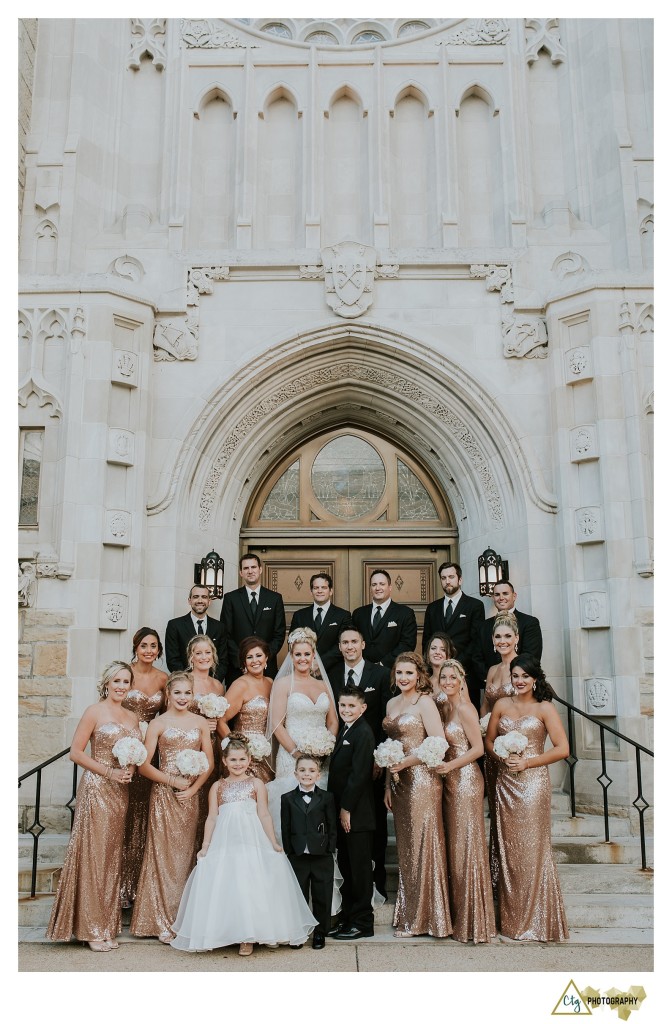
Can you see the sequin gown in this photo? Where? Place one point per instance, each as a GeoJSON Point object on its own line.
{"type": "Point", "coordinates": [146, 708]}
{"type": "Point", "coordinates": [493, 692]}
{"type": "Point", "coordinates": [252, 718]}
{"type": "Point", "coordinates": [242, 890]}
{"type": "Point", "coordinates": [469, 882]}
{"type": "Point", "coordinates": [88, 904]}
{"type": "Point", "coordinates": [422, 906]}
{"type": "Point", "coordinates": [204, 791]}
{"type": "Point", "coordinates": [530, 900]}
{"type": "Point", "coordinates": [170, 851]}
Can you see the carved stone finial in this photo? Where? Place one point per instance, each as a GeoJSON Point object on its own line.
{"type": "Point", "coordinates": [348, 273]}
{"type": "Point", "coordinates": [543, 34]}
{"type": "Point", "coordinates": [176, 339]}
{"type": "Point", "coordinates": [148, 38]}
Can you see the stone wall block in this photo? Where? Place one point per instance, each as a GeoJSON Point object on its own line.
{"type": "Point", "coordinates": [37, 617]}
{"type": "Point", "coordinates": [25, 659]}
{"type": "Point", "coordinates": [45, 686]}
{"type": "Point", "coordinates": [47, 632]}
{"type": "Point", "coordinates": [31, 706]}
{"type": "Point", "coordinates": [38, 744]}
{"type": "Point", "coordinates": [58, 706]}
{"type": "Point", "coordinates": [50, 659]}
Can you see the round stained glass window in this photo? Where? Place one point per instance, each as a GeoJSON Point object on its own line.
{"type": "Point", "coordinates": [348, 477]}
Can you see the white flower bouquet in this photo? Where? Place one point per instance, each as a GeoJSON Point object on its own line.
{"type": "Point", "coordinates": [484, 723]}
{"type": "Point", "coordinates": [211, 705]}
{"type": "Point", "coordinates": [388, 753]}
{"type": "Point", "coordinates": [431, 751]}
{"type": "Point", "coordinates": [258, 745]}
{"type": "Point", "coordinates": [318, 742]}
{"type": "Point", "coordinates": [510, 743]}
{"type": "Point", "coordinates": [129, 750]}
{"type": "Point", "coordinates": [191, 763]}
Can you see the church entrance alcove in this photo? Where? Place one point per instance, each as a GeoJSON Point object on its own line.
{"type": "Point", "coordinates": [347, 502]}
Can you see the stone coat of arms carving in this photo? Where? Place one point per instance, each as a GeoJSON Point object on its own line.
{"type": "Point", "coordinates": [348, 273]}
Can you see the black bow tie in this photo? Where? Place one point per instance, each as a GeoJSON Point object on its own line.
{"type": "Point", "coordinates": [307, 795]}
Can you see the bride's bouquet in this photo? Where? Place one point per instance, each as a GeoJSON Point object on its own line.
{"type": "Point", "coordinates": [484, 723]}
{"type": "Point", "coordinates": [318, 742]}
{"type": "Point", "coordinates": [510, 743]}
{"type": "Point", "coordinates": [387, 753]}
{"type": "Point", "coordinates": [129, 750]}
{"type": "Point", "coordinates": [258, 746]}
{"type": "Point", "coordinates": [211, 705]}
{"type": "Point", "coordinates": [191, 763]}
{"type": "Point", "coordinates": [431, 751]}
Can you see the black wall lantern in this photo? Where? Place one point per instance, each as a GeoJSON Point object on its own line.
{"type": "Point", "coordinates": [209, 572]}
{"type": "Point", "coordinates": [491, 570]}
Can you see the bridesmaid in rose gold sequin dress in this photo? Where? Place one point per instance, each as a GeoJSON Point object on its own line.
{"type": "Point", "coordinates": [469, 882]}
{"type": "Point", "coordinates": [202, 662]}
{"type": "Point", "coordinates": [422, 906]}
{"type": "Point", "coordinates": [497, 685]}
{"type": "Point", "coordinates": [87, 903]}
{"type": "Point", "coordinates": [249, 698]}
{"type": "Point", "coordinates": [170, 851]}
{"type": "Point", "coordinates": [146, 700]}
{"type": "Point", "coordinates": [530, 900]}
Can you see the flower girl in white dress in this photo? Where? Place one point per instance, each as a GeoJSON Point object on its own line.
{"type": "Point", "coordinates": [243, 889]}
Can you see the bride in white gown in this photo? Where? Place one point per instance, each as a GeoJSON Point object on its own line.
{"type": "Point", "coordinates": [300, 706]}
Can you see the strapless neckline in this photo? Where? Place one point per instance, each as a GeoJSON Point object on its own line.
{"type": "Point", "coordinates": [299, 693]}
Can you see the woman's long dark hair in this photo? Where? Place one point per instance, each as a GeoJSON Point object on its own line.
{"type": "Point", "coordinates": [532, 666]}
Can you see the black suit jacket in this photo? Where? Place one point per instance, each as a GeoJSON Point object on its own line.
{"type": "Point", "coordinates": [312, 825]}
{"type": "Point", "coordinates": [464, 629]}
{"type": "Point", "coordinates": [178, 634]}
{"type": "Point", "coordinates": [397, 632]}
{"type": "Point", "coordinates": [351, 775]}
{"type": "Point", "coordinates": [327, 636]}
{"type": "Point", "coordinates": [375, 683]}
{"type": "Point", "coordinates": [269, 624]}
{"type": "Point", "coordinates": [529, 641]}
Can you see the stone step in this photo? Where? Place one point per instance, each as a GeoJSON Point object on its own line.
{"type": "Point", "coordinates": [588, 850]}
{"type": "Point", "coordinates": [46, 879]}
{"type": "Point", "coordinates": [562, 824]}
{"type": "Point", "coordinates": [34, 913]}
{"type": "Point", "coordinates": [51, 850]}
{"type": "Point", "coordinates": [591, 878]}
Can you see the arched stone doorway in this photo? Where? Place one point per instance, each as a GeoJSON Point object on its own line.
{"type": "Point", "coordinates": [347, 501]}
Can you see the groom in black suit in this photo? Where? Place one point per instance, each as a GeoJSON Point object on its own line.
{"type": "Point", "coordinates": [462, 618]}
{"type": "Point", "coordinates": [326, 619]}
{"type": "Point", "coordinates": [180, 631]}
{"type": "Point", "coordinates": [388, 628]}
{"type": "Point", "coordinates": [252, 610]}
{"type": "Point", "coordinates": [529, 631]}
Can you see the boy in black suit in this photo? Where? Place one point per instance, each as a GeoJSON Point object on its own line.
{"type": "Point", "coordinates": [351, 782]}
{"type": "Point", "coordinates": [308, 824]}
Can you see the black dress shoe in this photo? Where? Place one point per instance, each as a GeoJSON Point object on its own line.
{"type": "Point", "coordinates": [354, 933]}
{"type": "Point", "coordinates": [339, 927]}
{"type": "Point", "coordinates": [318, 940]}
{"type": "Point", "coordinates": [298, 945]}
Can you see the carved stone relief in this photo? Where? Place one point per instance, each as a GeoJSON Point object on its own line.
{"type": "Point", "coordinates": [543, 34]}
{"type": "Point", "coordinates": [600, 696]}
{"type": "Point", "coordinates": [124, 368]}
{"type": "Point", "coordinates": [27, 584]}
{"type": "Point", "coordinates": [524, 335]}
{"type": "Point", "coordinates": [127, 267]}
{"type": "Point", "coordinates": [44, 397]}
{"type": "Point", "coordinates": [200, 280]}
{"type": "Point", "coordinates": [113, 611]}
{"type": "Point", "coordinates": [479, 32]}
{"type": "Point", "coordinates": [148, 37]}
{"type": "Point", "coordinates": [583, 443]}
{"type": "Point", "coordinates": [594, 610]}
{"type": "Point", "coordinates": [569, 264]}
{"type": "Point", "coordinates": [175, 339]}
{"type": "Point", "coordinates": [348, 274]}
{"type": "Point", "coordinates": [210, 33]}
{"type": "Point", "coordinates": [578, 365]}
{"type": "Point", "coordinates": [120, 447]}
{"type": "Point", "coordinates": [117, 527]}
{"type": "Point", "coordinates": [589, 524]}
{"type": "Point", "coordinates": [387, 379]}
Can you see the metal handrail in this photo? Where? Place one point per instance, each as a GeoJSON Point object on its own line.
{"type": "Point", "coordinates": [37, 828]}
{"type": "Point", "coordinates": [639, 803]}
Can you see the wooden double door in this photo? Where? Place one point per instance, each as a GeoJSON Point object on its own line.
{"type": "Point", "coordinates": [414, 572]}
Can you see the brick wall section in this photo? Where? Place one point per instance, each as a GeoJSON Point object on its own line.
{"type": "Point", "coordinates": [45, 691]}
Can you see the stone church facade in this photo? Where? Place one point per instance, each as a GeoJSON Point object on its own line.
{"type": "Point", "coordinates": [348, 293]}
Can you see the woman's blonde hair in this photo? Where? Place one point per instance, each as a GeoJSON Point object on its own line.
{"type": "Point", "coordinates": [108, 674]}
{"type": "Point", "coordinates": [202, 638]}
{"type": "Point", "coordinates": [302, 635]}
{"type": "Point", "coordinates": [176, 677]}
{"type": "Point", "coordinates": [459, 670]}
{"type": "Point", "coordinates": [506, 619]}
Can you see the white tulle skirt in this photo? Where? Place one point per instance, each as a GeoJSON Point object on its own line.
{"type": "Point", "coordinates": [242, 891]}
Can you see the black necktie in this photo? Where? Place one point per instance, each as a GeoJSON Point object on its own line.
{"type": "Point", "coordinates": [351, 677]}
{"type": "Point", "coordinates": [253, 605]}
{"type": "Point", "coordinates": [377, 616]}
{"type": "Point", "coordinates": [318, 618]}
{"type": "Point", "coordinates": [199, 626]}
{"type": "Point", "coordinates": [449, 612]}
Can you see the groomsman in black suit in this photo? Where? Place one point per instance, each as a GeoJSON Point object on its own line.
{"type": "Point", "coordinates": [326, 619]}
{"type": "Point", "coordinates": [388, 628]}
{"type": "Point", "coordinates": [373, 681]}
{"type": "Point", "coordinates": [529, 631]}
{"type": "Point", "coordinates": [252, 610]}
{"type": "Point", "coordinates": [462, 618]}
{"type": "Point", "coordinates": [180, 631]}
{"type": "Point", "coordinates": [351, 782]}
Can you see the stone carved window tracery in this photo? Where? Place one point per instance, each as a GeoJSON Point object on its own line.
{"type": "Point", "coordinates": [32, 443]}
